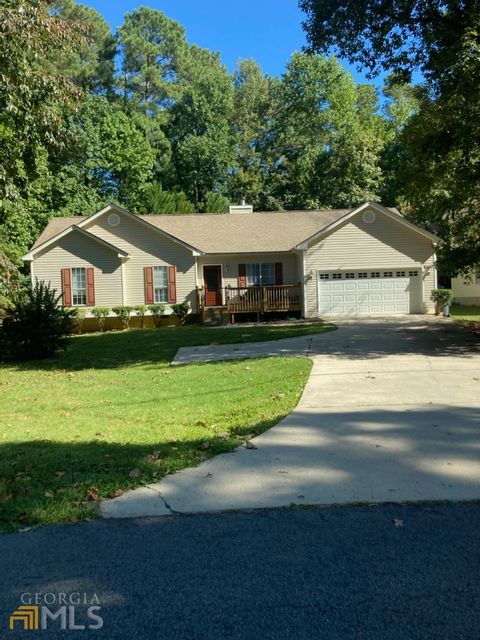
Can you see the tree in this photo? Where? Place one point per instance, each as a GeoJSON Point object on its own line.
{"type": "Point", "coordinates": [10, 282]}
{"type": "Point", "coordinates": [215, 203]}
{"type": "Point", "coordinates": [90, 65]}
{"type": "Point", "coordinates": [200, 126]}
{"type": "Point", "coordinates": [393, 35]}
{"type": "Point", "coordinates": [440, 173]}
{"type": "Point", "coordinates": [117, 159]}
{"type": "Point", "coordinates": [327, 136]}
{"type": "Point", "coordinates": [253, 112]}
{"type": "Point", "coordinates": [159, 201]}
{"type": "Point", "coordinates": [153, 51]}
{"type": "Point", "coordinates": [439, 168]}
{"type": "Point", "coordinates": [401, 103]}
{"type": "Point", "coordinates": [33, 99]}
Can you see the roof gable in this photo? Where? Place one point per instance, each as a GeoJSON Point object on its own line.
{"type": "Point", "coordinates": [373, 206]}
{"type": "Point", "coordinates": [73, 229]}
{"type": "Point", "coordinates": [115, 208]}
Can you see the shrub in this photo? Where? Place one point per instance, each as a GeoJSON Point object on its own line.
{"type": "Point", "coordinates": [78, 316]}
{"type": "Point", "coordinates": [181, 309]}
{"type": "Point", "coordinates": [12, 282]}
{"type": "Point", "coordinates": [36, 325]}
{"type": "Point", "coordinates": [157, 311]}
{"type": "Point", "coordinates": [101, 314]}
{"type": "Point", "coordinates": [442, 297]}
{"type": "Point", "coordinates": [124, 313]}
{"type": "Point", "coordinates": [141, 310]}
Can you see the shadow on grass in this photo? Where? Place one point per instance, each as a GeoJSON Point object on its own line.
{"type": "Point", "coordinates": [158, 346]}
{"type": "Point", "coordinates": [43, 482]}
{"type": "Point", "coordinates": [429, 451]}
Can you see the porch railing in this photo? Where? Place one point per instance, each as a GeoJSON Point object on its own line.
{"type": "Point", "coordinates": [263, 299]}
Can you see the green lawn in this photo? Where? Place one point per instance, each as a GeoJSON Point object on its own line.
{"type": "Point", "coordinates": [465, 312]}
{"type": "Point", "coordinates": [109, 414]}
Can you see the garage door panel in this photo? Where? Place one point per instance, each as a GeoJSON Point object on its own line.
{"type": "Point", "coordinates": [365, 295]}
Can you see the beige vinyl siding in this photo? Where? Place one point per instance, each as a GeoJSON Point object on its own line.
{"type": "Point", "coordinates": [147, 248]}
{"type": "Point", "coordinates": [229, 263]}
{"type": "Point", "coordinates": [383, 244]}
{"type": "Point", "coordinates": [466, 292]}
{"type": "Point", "coordinates": [75, 250]}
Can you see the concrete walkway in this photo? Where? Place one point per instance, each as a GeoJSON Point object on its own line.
{"type": "Point", "coordinates": [391, 412]}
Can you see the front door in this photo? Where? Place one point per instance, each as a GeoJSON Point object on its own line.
{"type": "Point", "coordinates": [212, 277]}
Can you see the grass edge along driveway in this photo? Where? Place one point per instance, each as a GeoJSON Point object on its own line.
{"type": "Point", "coordinates": [110, 414]}
{"type": "Point", "coordinates": [468, 316]}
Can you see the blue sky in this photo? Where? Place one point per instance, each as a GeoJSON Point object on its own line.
{"type": "Point", "coordinates": [266, 30]}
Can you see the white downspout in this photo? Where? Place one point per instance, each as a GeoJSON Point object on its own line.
{"type": "Point", "coordinates": [304, 287]}
{"type": "Point", "coordinates": [124, 284]}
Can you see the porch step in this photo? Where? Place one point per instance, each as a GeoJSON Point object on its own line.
{"type": "Point", "coordinates": [215, 315]}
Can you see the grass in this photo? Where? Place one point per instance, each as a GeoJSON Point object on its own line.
{"type": "Point", "coordinates": [109, 414]}
{"type": "Point", "coordinates": [465, 312]}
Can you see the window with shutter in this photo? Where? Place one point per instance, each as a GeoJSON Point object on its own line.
{"type": "Point", "coordinates": [79, 286]}
{"type": "Point", "coordinates": [66, 287]}
{"type": "Point", "coordinates": [172, 284]}
{"type": "Point", "coordinates": [260, 273]}
{"type": "Point", "coordinates": [160, 284]}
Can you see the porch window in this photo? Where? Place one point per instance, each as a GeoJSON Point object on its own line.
{"type": "Point", "coordinates": [160, 284]}
{"type": "Point", "coordinates": [79, 286]}
{"type": "Point", "coordinates": [260, 273]}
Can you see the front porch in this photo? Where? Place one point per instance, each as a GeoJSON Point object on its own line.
{"type": "Point", "coordinates": [231, 302]}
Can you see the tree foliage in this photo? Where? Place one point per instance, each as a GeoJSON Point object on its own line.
{"type": "Point", "coordinates": [434, 162]}
{"type": "Point", "coordinates": [91, 64]}
{"type": "Point", "coordinates": [145, 118]}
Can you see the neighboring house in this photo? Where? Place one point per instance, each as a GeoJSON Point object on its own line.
{"type": "Point", "coordinates": [466, 290]}
{"type": "Point", "coordinates": [369, 260]}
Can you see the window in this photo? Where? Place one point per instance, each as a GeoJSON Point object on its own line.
{"type": "Point", "coordinates": [79, 286]}
{"type": "Point", "coordinates": [323, 276]}
{"type": "Point", "coordinates": [413, 273]}
{"type": "Point", "coordinates": [375, 274]}
{"type": "Point", "coordinates": [260, 273]}
{"type": "Point", "coordinates": [400, 274]}
{"type": "Point", "coordinates": [388, 274]}
{"type": "Point", "coordinates": [363, 274]}
{"type": "Point", "coordinates": [160, 284]}
{"type": "Point", "coordinates": [349, 276]}
{"type": "Point", "coordinates": [337, 276]}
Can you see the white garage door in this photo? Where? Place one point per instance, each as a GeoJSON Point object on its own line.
{"type": "Point", "coordinates": [368, 292]}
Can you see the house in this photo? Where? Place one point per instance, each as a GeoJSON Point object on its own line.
{"type": "Point", "coordinates": [466, 289]}
{"type": "Point", "coordinates": [367, 260]}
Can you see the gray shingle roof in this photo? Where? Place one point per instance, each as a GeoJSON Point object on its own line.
{"type": "Point", "coordinates": [229, 233]}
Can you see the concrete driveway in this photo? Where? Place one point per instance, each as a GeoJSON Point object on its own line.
{"type": "Point", "coordinates": [391, 412]}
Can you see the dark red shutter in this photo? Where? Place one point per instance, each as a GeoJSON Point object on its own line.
{"type": "Point", "coordinates": [148, 279]}
{"type": "Point", "coordinates": [67, 287]}
{"type": "Point", "coordinates": [90, 287]}
{"type": "Point", "coordinates": [172, 284]}
{"type": "Point", "coordinates": [242, 276]}
{"type": "Point", "coordinates": [278, 273]}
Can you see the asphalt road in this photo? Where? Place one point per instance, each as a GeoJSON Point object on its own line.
{"type": "Point", "coordinates": [380, 573]}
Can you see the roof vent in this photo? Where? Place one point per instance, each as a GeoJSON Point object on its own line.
{"type": "Point", "coordinates": [241, 208]}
